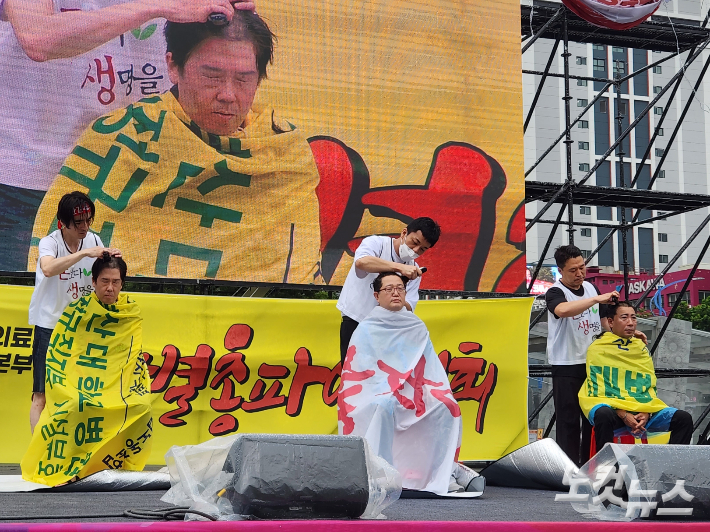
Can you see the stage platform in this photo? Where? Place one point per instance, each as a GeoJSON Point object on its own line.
{"type": "Point", "coordinates": [496, 504]}
{"type": "Point", "coordinates": [501, 509]}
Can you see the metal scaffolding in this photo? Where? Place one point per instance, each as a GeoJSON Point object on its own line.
{"type": "Point", "coordinates": [545, 20]}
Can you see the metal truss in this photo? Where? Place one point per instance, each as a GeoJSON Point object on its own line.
{"type": "Point", "coordinates": [555, 22]}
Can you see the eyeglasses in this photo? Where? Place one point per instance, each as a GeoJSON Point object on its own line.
{"type": "Point", "coordinates": [392, 289]}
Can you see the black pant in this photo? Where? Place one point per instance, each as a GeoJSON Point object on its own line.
{"type": "Point", "coordinates": [606, 421]}
{"type": "Point", "coordinates": [566, 382]}
{"type": "Point", "coordinates": [347, 328]}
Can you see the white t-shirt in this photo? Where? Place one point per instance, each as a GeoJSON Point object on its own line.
{"type": "Point", "coordinates": [569, 338]}
{"type": "Point", "coordinates": [44, 107]}
{"type": "Point", "coordinates": [52, 294]}
{"type": "Point", "coordinates": [357, 298]}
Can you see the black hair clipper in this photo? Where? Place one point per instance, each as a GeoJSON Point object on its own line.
{"type": "Point", "coordinates": [218, 19]}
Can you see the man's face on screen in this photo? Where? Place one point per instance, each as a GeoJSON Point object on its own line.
{"type": "Point", "coordinates": [217, 84]}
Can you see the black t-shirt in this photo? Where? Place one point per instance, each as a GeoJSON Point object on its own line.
{"type": "Point", "coordinates": [554, 296]}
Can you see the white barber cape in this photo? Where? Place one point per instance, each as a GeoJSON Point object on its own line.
{"type": "Point", "coordinates": [395, 393]}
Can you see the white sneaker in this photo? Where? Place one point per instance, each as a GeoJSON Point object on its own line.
{"type": "Point", "coordinates": [468, 479]}
{"type": "Point", "coordinates": [454, 486]}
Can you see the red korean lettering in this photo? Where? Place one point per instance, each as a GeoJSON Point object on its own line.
{"type": "Point", "coordinates": [261, 398]}
{"type": "Point", "coordinates": [466, 372]}
{"type": "Point", "coordinates": [306, 375]}
{"type": "Point", "coordinates": [162, 375]}
{"type": "Point", "coordinates": [196, 373]}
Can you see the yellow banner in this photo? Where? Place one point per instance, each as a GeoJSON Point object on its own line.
{"type": "Point", "coordinates": [220, 365]}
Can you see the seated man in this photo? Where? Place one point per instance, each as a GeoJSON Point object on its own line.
{"type": "Point", "coordinates": [395, 393]}
{"type": "Point", "coordinates": [216, 187]}
{"type": "Point", "coordinates": [98, 413]}
{"type": "Point", "coordinates": [620, 390]}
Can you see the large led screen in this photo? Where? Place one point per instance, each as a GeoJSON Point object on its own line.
{"type": "Point", "coordinates": [372, 114]}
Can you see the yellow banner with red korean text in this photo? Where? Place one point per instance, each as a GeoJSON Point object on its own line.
{"type": "Point", "coordinates": [223, 365]}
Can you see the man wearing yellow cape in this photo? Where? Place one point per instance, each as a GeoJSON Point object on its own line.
{"type": "Point", "coordinates": [198, 183]}
{"type": "Point", "coordinates": [98, 413]}
{"type": "Point", "coordinates": [620, 391]}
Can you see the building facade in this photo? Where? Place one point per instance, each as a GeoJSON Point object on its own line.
{"type": "Point", "coordinates": [652, 245]}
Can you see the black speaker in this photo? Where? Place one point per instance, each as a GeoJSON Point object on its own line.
{"type": "Point", "coordinates": [297, 477]}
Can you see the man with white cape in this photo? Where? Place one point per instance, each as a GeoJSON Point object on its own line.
{"type": "Point", "coordinates": [395, 393]}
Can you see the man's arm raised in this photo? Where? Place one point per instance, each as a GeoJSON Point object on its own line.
{"type": "Point", "coordinates": [570, 309]}
{"type": "Point", "coordinates": [372, 264]}
{"type": "Point", "coordinates": [52, 266]}
{"type": "Point", "coordinates": [44, 34]}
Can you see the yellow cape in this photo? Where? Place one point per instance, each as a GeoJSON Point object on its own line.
{"type": "Point", "coordinates": [98, 413]}
{"type": "Point", "coordinates": [620, 374]}
{"type": "Point", "coordinates": [180, 202]}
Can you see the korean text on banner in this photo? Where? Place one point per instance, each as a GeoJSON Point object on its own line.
{"type": "Point", "coordinates": [221, 365]}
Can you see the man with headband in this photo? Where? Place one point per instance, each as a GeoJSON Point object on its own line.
{"type": "Point", "coordinates": [63, 276]}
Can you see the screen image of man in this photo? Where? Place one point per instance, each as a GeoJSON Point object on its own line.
{"type": "Point", "coordinates": [619, 394]}
{"type": "Point", "coordinates": [377, 254]}
{"type": "Point", "coordinates": [572, 322]}
{"type": "Point", "coordinates": [216, 187]}
{"type": "Point", "coordinates": [395, 393]}
{"type": "Point", "coordinates": [98, 413]}
{"type": "Point", "coordinates": [63, 275]}
{"type": "Point", "coordinates": [63, 64]}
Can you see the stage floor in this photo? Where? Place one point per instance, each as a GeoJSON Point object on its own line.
{"type": "Point", "coordinates": [496, 504]}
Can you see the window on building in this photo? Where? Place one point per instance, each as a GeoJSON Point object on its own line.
{"type": "Point", "coordinates": [663, 237]}
{"type": "Point", "coordinates": [658, 110]}
{"type": "Point", "coordinates": [663, 259]}
{"type": "Point", "coordinates": [657, 89]}
{"type": "Point", "coordinates": [603, 106]}
{"type": "Point", "coordinates": [581, 83]}
{"type": "Point", "coordinates": [618, 49]}
{"type": "Point", "coordinates": [585, 210]}
{"type": "Point", "coordinates": [619, 67]}
{"type": "Point", "coordinates": [586, 253]}
{"type": "Point", "coordinates": [662, 174]}
{"type": "Point", "coordinates": [581, 60]}
{"type": "Point", "coordinates": [584, 167]}
{"type": "Point", "coordinates": [582, 102]}
{"type": "Point", "coordinates": [658, 69]}
{"type": "Point", "coordinates": [672, 298]}
{"type": "Point", "coordinates": [600, 65]}
{"type": "Point", "coordinates": [599, 47]}
{"type": "Point", "coordinates": [586, 232]}
{"type": "Point", "coordinates": [583, 145]}
{"type": "Point", "coordinates": [660, 131]}
{"type": "Point", "coordinates": [605, 281]}
{"type": "Point", "coordinates": [583, 124]}
{"type": "Point", "coordinates": [660, 152]}
{"type": "Point", "coordinates": [703, 295]}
